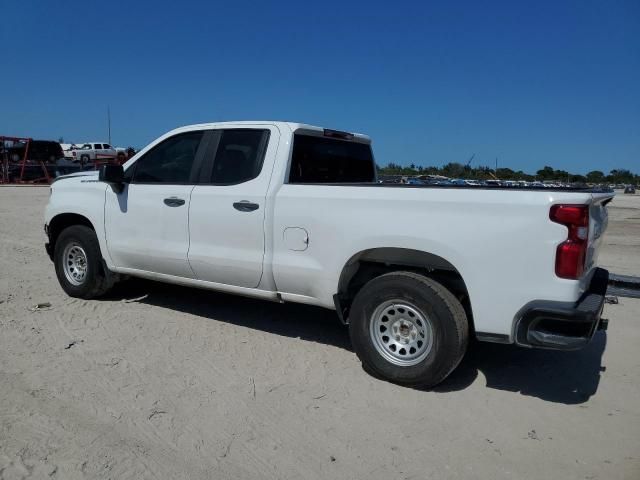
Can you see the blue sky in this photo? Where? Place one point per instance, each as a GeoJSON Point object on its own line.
{"type": "Point", "coordinates": [532, 83]}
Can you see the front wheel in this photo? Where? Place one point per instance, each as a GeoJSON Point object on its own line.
{"type": "Point", "coordinates": [78, 263]}
{"type": "Point", "coordinates": [408, 329]}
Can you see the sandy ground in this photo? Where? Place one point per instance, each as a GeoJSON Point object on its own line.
{"type": "Point", "coordinates": [195, 385]}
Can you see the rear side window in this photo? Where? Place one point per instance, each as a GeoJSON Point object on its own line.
{"type": "Point", "coordinates": [239, 156]}
{"type": "Point", "coordinates": [97, 146]}
{"type": "Point", "coordinates": [169, 162]}
{"type": "Point", "coordinates": [327, 160]}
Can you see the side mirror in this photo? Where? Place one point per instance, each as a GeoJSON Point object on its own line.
{"type": "Point", "coordinates": [111, 174]}
{"type": "Point", "coordinates": [114, 175]}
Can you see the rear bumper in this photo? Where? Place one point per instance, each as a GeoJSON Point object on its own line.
{"type": "Point", "coordinates": [564, 325]}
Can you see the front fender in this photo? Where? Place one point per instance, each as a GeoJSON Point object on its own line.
{"type": "Point", "coordinates": [84, 196]}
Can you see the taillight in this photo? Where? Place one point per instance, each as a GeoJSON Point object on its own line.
{"type": "Point", "coordinates": [73, 153]}
{"type": "Point", "coordinates": [572, 253]}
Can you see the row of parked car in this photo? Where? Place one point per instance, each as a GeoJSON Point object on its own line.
{"type": "Point", "coordinates": [440, 180]}
{"type": "Point", "coordinates": [445, 181]}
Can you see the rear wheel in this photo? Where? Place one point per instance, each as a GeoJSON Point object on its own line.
{"type": "Point", "coordinates": [78, 263]}
{"type": "Point", "coordinates": [408, 329]}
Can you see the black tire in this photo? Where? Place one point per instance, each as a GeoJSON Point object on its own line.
{"type": "Point", "coordinates": [84, 159]}
{"type": "Point", "coordinates": [446, 316]}
{"type": "Point", "coordinates": [96, 281]}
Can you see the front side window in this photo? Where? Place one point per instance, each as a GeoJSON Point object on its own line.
{"type": "Point", "coordinates": [107, 146]}
{"type": "Point", "coordinates": [327, 160]}
{"type": "Point", "coordinates": [239, 156]}
{"type": "Point", "coordinates": [169, 162]}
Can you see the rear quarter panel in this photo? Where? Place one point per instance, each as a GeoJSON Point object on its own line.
{"type": "Point", "coordinates": [501, 242]}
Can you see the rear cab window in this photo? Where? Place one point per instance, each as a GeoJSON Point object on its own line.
{"type": "Point", "coordinates": [319, 159]}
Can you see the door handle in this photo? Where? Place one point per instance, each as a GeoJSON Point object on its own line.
{"type": "Point", "coordinates": [245, 206]}
{"type": "Point", "coordinates": [173, 202]}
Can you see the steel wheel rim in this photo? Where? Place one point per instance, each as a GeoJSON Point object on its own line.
{"type": "Point", "coordinates": [74, 264]}
{"type": "Point", "coordinates": [401, 333]}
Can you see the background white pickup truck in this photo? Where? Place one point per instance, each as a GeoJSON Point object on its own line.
{"type": "Point", "coordinates": [90, 152]}
{"type": "Point", "coordinates": [292, 212]}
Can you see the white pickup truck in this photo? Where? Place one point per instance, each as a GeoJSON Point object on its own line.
{"type": "Point", "coordinates": [293, 213]}
{"type": "Point", "coordinates": [91, 152]}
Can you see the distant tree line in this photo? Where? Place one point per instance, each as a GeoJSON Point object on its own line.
{"type": "Point", "coordinates": [458, 170]}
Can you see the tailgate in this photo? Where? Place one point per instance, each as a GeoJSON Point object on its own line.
{"type": "Point", "coordinates": [598, 222]}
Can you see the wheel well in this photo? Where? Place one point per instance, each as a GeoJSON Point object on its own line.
{"type": "Point", "coordinates": [62, 221]}
{"type": "Point", "coordinates": [369, 264]}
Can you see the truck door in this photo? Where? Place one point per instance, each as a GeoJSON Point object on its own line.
{"type": "Point", "coordinates": [147, 223]}
{"type": "Point", "coordinates": [227, 210]}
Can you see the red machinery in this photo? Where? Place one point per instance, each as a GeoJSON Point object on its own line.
{"type": "Point", "coordinates": [5, 167]}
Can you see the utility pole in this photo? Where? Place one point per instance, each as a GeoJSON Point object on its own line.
{"type": "Point", "coordinates": [109, 122]}
{"type": "Point", "coordinates": [496, 165]}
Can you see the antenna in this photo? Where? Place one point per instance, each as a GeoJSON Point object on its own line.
{"type": "Point", "coordinates": [109, 122]}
